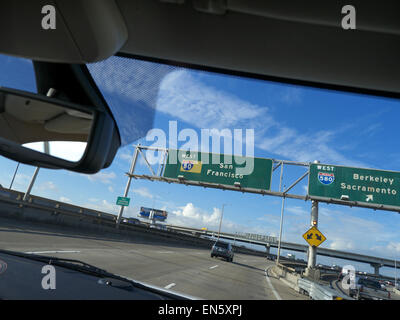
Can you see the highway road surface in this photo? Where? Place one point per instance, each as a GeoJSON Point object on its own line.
{"type": "Point", "coordinates": [178, 267]}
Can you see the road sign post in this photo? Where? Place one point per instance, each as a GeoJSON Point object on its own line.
{"type": "Point", "coordinates": [28, 191]}
{"type": "Point", "coordinates": [128, 184]}
{"type": "Point", "coordinates": [15, 173]}
{"type": "Point", "coordinates": [312, 251]}
{"type": "Point", "coordinates": [280, 231]}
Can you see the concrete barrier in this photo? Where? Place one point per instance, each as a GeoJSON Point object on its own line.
{"type": "Point", "coordinates": [286, 275]}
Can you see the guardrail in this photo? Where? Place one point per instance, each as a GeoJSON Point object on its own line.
{"type": "Point", "coordinates": [15, 197]}
{"type": "Point", "coordinates": [319, 292]}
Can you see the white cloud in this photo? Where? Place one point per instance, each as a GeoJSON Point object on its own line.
{"type": "Point", "coordinates": [390, 250]}
{"type": "Point", "coordinates": [185, 97]}
{"type": "Point", "coordinates": [21, 180]}
{"type": "Point", "coordinates": [298, 211]}
{"type": "Point", "coordinates": [126, 156]}
{"type": "Point", "coordinates": [306, 147]}
{"type": "Point", "coordinates": [340, 244]}
{"type": "Point", "coordinates": [394, 247]}
{"type": "Point", "coordinates": [110, 189]}
{"type": "Point", "coordinates": [102, 205]}
{"type": "Point", "coordinates": [64, 199]}
{"type": "Point", "coordinates": [191, 216]}
{"type": "Point", "coordinates": [270, 218]}
{"type": "Point", "coordinates": [48, 185]}
{"type": "Point", "coordinates": [291, 95]}
{"type": "Point", "coordinates": [144, 192]}
{"type": "Point", "coordinates": [103, 177]}
{"type": "Point", "coordinates": [182, 96]}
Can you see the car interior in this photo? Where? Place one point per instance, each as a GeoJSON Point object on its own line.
{"type": "Point", "coordinates": [284, 41]}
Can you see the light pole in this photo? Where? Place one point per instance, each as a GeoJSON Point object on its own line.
{"type": "Point", "coordinates": [220, 221]}
{"type": "Point", "coordinates": [280, 228]}
{"type": "Point", "coordinates": [282, 209]}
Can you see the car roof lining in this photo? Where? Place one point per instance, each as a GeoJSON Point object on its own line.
{"type": "Point", "coordinates": [310, 53]}
{"type": "Point", "coordinates": [282, 40]}
{"type": "Point", "coordinates": [287, 80]}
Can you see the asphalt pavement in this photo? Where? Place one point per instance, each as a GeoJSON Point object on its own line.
{"type": "Point", "coordinates": [168, 264]}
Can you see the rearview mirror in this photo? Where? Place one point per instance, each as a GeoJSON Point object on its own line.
{"type": "Point", "coordinates": [52, 133]}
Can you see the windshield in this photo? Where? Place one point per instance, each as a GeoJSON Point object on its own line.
{"type": "Point", "coordinates": [315, 168]}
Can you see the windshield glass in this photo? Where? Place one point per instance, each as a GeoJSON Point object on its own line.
{"type": "Point", "coordinates": [306, 157]}
{"type": "Point", "coordinates": [17, 73]}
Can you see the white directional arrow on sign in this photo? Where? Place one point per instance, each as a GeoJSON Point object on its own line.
{"type": "Point", "coordinates": [370, 197]}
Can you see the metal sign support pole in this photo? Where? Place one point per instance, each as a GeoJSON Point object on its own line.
{"type": "Point", "coordinates": [128, 184]}
{"type": "Point", "coordinates": [312, 252]}
{"type": "Point", "coordinates": [282, 209]}
{"type": "Point", "coordinates": [280, 231]}
{"type": "Point", "coordinates": [28, 191]}
{"type": "Point", "coordinates": [15, 173]}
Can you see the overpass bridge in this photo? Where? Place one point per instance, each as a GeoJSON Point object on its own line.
{"type": "Point", "coordinates": [269, 242]}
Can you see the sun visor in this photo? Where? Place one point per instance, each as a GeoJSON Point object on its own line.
{"type": "Point", "coordinates": [62, 31]}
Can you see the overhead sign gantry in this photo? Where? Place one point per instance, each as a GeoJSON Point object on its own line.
{"type": "Point", "coordinates": [368, 188]}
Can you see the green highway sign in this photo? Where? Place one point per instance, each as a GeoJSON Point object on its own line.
{"type": "Point", "coordinates": [216, 168]}
{"type": "Point", "coordinates": [354, 184]}
{"type": "Point", "coordinates": [123, 201]}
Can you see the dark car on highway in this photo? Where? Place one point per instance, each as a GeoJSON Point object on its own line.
{"type": "Point", "coordinates": [369, 289]}
{"type": "Point", "coordinates": [222, 249]}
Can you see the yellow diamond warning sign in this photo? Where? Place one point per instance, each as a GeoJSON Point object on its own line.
{"type": "Point", "coordinates": [314, 237]}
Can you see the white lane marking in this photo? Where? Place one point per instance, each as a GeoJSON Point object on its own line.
{"type": "Point", "coordinates": [170, 286]}
{"type": "Point", "coordinates": [214, 266]}
{"type": "Point", "coordinates": [165, 252]}
{"type": "Point", "coordinates": [55, 251]}
{"type": "Point", "coordinates": [277, 296]}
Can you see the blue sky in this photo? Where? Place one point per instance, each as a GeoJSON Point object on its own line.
{"type": "Point", "coordinates": [289, 122]}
